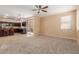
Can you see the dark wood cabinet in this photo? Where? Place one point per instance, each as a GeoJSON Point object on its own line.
{"type": "Point", "coordinates": [20, 30]}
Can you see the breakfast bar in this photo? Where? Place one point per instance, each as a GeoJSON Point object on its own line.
{"type": "Point", "coordinates": [6, 32]}
{"type": "Point", "coordinates": [11, 27]}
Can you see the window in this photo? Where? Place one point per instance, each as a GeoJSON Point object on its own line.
{"type": "Point", "coordinates": [65, 22]}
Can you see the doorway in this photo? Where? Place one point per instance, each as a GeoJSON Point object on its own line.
{"type": "Point", "coordinates": [29, 26]}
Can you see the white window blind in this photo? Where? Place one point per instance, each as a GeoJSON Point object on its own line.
{"type": "Point", "coordinates": [66, 22]}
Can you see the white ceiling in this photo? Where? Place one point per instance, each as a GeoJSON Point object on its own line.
{"type": "Point", "coordinates": [26, 10]}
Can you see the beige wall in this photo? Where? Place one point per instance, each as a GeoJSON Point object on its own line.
{"type": "Point", "coordinates": [50, 26]}
{"type": "Point", "coordinates": [36, 25]}
{"type": "Point", "coordinates": [77, 25]}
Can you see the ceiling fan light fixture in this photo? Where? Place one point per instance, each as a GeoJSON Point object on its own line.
{"type": "Point", "coordinates": [40, 8]}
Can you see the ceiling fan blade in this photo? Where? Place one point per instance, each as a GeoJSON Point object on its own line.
{"type": "Point", "coordinates": [44, 10]}
{"type": "Point", "coordinates": [39, 6]}
{"type": "Point", "coordinates": [45, 7]}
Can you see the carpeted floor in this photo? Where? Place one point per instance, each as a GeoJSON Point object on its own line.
{"type": "Point", "coordinates": [21, 44]}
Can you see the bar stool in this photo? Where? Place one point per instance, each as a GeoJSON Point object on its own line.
{"type": "Point", "coordinates": [11, 31]}
{"type": "Point", "coordinates": [6, 32]}
{"type": "Point", "coordinates": [1, 33]}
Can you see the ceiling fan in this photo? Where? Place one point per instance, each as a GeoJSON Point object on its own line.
{"type": "Point", "coordinates": [40, 8]}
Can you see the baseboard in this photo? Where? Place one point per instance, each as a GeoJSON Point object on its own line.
{"type": "Point", "coordinates": [36, 34]}
{"type": "Point", "coordinates": [60, 36]}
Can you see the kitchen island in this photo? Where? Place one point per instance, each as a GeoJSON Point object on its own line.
{"type": "Point", "coordinates": [8, 28]}
{"type": "Point", "coordinates": [6, 32]}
